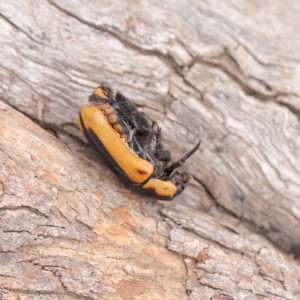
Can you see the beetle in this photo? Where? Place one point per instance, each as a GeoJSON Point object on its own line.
{"type": "Point", "coordinates": [131, 147]}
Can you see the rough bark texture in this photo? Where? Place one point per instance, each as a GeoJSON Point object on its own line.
{"type": "Point", "coordinates": [227, 73]}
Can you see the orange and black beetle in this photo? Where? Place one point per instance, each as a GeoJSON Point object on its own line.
{"type": "Point", "coordinates": [130, 146]}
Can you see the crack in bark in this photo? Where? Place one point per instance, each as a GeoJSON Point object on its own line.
{"type": "Point", "coordinates": [244, 87]}
{"type": "Point", "coordinates": [84, 224]}
{"type": "Point", "coordinates": [19, 231]}
{"type": "Point", "coordinates": [259, 61]}
{"type": "Point", "coordinates": [54, 226]}
{"type": "Point", "coordinates": [215, 199]}
{"type": "Point", "coordinates": [25, 207]}
{"type": "Point", "coordinates": [58, 276]}
{"type": "Point", "coordinates": [31, 292]}
{"type": "Point", "coordinates": [18, 28]}
{"type": "Point", "coordinates": [4, 275]}
{"type": "Point", "coordinates": [294, 110]}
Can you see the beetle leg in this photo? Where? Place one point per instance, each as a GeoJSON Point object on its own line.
{"type": "Point", "coordinates": [131, 135]}
{"type": "Point", "coordinates": [141, 152]}
{"type": "Point", "coordinates": [142, 125]}
{"type": "Point", "coordinates": [162, 155]}
{"type": "Point", "coordinates": [132, 140]}
{"type": "Point", "coordinates": [145, 129]}
{"type": "Point", "coordinates": [181, 161]}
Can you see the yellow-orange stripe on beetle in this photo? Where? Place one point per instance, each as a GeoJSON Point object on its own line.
{"type": "Point", "coordinates": [137, 169]}
{"type": "Point", "coordinates": [161, 188]}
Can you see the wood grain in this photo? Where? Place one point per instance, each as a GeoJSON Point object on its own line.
{"type": "Point", "coordinates": [227, 73]}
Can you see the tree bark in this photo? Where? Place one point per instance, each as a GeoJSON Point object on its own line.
{"type": "Point", "coordinates": [223, 72]}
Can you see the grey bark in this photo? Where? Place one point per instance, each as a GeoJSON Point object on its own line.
{"type": "Point", "coordinates": [227, 73]}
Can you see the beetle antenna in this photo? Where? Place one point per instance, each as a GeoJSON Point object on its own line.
{"type": "Point", "coordinates": [181, 161]}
